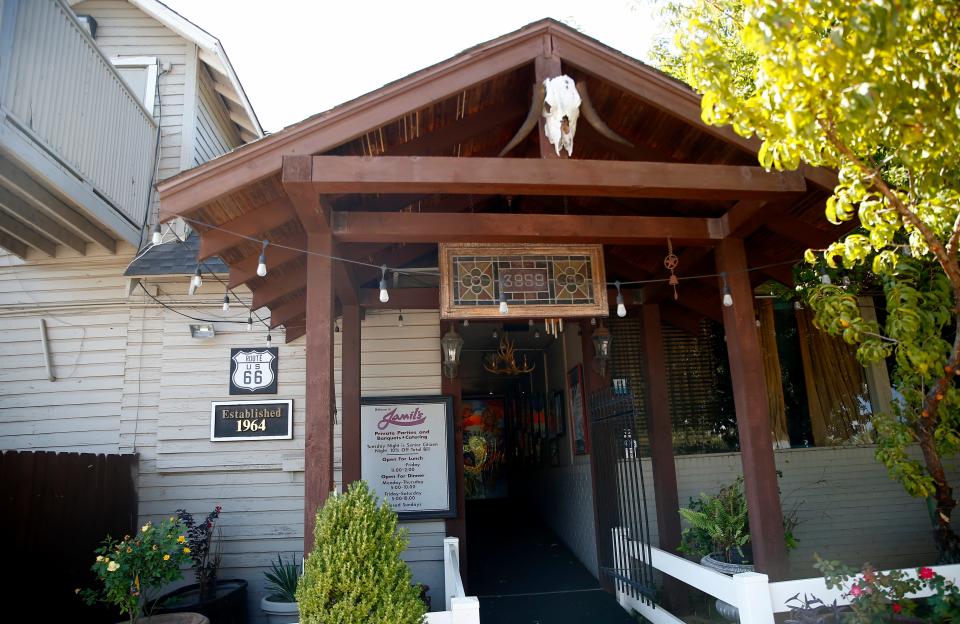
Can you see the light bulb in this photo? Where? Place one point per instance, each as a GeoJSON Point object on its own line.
{"type": "Point", "coordinates": [269, 340]}
{"type": "Point", "coordinates": [262, 265]}
{"type": "Point", "coordinates": [400, 320]}
{"type": "Point", "coordinates": [384, 295]}
{"type": "Point", "coordinates": [197, 281]}
{"type": "Point", "coordinates": [727, 300]}
{"type": "Point", "coordinates": [466, 322]}
{"type": "Point", "coordinates": [156, 238]}
{"type": "Point", "coordinates": [621, 308]}
{"type": "Point", "coordinates": [249, 323]}
{"type": "Point", "coordinates": [226, 303]}
{"type": "Point", "coordinates": [504, 308]}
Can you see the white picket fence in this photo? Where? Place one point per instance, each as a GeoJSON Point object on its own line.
{"type": "Point", "coordinates": [460, 608]}
{"type": "Point", "coordinates": [756, 598]}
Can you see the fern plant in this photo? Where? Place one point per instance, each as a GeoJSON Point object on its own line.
{"type": "Point", "coordinates": [355, 574]}
{"type": "Point", "coordinates": [718, 524]}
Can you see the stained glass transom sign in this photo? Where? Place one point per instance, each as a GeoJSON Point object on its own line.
{"type": "Point", "coordinates": [537, 280]}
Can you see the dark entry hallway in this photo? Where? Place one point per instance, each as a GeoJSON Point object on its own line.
{"type": "Point", "coordinates": [523, 574]}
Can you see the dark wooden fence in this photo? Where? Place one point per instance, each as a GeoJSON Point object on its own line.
{"type": "Point", "coordinates": [56, 509]}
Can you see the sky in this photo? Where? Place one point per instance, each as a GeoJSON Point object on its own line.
{"type": "Point", "coordinates": [296, 58]}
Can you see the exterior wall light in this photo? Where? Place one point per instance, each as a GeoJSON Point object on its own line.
{"type": "Point", "coordinates": [601, 348]}
{"type": "Point", "coordinates": [451, 344]}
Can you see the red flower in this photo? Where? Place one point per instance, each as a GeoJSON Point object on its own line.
{"type": "Point", "coordinates": [927, 573]}
{"type": "Point", "coordinates": [896, 607]}
{"type": "Point", "coordinates": [855, 591]}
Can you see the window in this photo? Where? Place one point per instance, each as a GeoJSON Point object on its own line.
{"type": "Point", "coordinates": [140, 74]}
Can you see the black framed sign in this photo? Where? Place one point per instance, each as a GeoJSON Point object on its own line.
{"type": "Point", "coordinates": [233, 421]}
{"type": "Point", "coordinates": [254, 371]}
{"type": "Point", "coordinates": [406, 454]}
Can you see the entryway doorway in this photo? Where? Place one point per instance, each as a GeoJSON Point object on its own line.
{"type": "Point", "coordinates": [531, 544]}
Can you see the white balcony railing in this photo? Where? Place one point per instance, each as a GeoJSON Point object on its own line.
{"type": "Point", "coordinates": [460, 608]}
{"type": "Point", "coordinates": [61, 91]}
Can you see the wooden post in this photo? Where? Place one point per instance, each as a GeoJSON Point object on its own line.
{"type": "Point", "coordinates": [320, 400]}
{"type": "Point", "coordinates": [546, 65]}
{"type": "Point", "coordinates": [350, 393]}
{"type": "Point", "coordinates": [753, 418]}
{"type": "Point", "coordinates": [457, 527]}
{"type": "Point", "coordinates": [603, 489]}
{"type": "Point", "coordinates": [660, 429]}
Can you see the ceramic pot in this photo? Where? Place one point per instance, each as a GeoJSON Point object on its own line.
{"type": "Point", "coordinates": [226, 605]}
{"type": "Point", "coordinates": [172, 618]}
{"type": "Point", "coordinates": [713, 561]}
{"type": "Point", "coordinates": [280, 612]}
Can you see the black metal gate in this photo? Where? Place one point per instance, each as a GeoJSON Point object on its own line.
{"type": "Point", "coordinates": [620, 490]}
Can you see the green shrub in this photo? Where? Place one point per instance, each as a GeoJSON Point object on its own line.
{"type": "Point", "coordinates": [355, 573]}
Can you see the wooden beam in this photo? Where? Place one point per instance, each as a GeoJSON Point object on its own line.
{"type": "Point", "coordinates": [13, 245]}
{"type": "Point", "coordinates": [288, 311]}
{"type": "Point", "coordinates": [241, 120]}
{"type": "Point", "coordinates": [753, 416]}
{"type": "Point", "coordinates": [350, 393]}
{"type": "Point", "coordinates": [253, 224]}
{"type": "Point", "coordinates": [660, 428]}
{"type": "Point", "coordinates": [279, 254]}
{"type": "Point", "coordinates": [458, 131]}
{"type": "Point", "coordinates": [27, 235]}
{"type": "Point", "coordinates": [534, 176]}
{"type": "Point", "coordinates": [345, 283]}
{"type": "Point", "coordinates": [681, 317]}
{"type": "Point", "coordinates": [320, 399]}
{"type": "Point", "coordinates": [26, 213]}
{"type": "Point", "coordinates": [406, 298]}
{"type": "Point", "coordinates": [297, 328]}
{"type": "Point", "coordinates": [419, 227]}
{"type": "Point", "coordinates": [278, 286]}
{"type": "Point", "coordinates": [44, 200]}
{"type": "Point", "coordinates": [743, 218]}
{"type": "Point", "coordinates": [801, 232]}
{"type": "Point", "coordinates": [192, 189]}
{"type": "Point", "coordinates": [312, 210]}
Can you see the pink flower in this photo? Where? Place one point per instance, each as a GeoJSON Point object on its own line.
{"type": "Point", "coordinates": [927, 573]}
{"type": "Point", "coordinates": [855, 591]}
{"type": "Point", "coordinates": [896, 607]}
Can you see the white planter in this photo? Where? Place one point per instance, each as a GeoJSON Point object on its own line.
{"type": "Point", "coordinates": [280, 612]}
{"type": "Point", "coordinates": [726, 610]}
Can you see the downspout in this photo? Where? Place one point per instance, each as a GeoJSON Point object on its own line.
{"type": "Point", "coordinates": [45, 343]}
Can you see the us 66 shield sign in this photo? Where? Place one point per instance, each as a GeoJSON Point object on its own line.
{"type": "Point", "coordinates": [254, 371]}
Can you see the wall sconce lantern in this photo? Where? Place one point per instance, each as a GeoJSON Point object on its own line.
{"type": "Point", "coordinates": [601, 348]}
{"type": "Point", "coordinates": [450, 344]}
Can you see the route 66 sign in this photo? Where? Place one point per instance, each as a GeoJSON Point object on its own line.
{"type": "Point", "coordinates": [254, 371]}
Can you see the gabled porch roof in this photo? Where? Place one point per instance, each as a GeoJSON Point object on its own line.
{"type": "Point", "coordinates": [680, 178]}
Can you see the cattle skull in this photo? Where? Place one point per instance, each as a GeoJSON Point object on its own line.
{"type": "Point", "coordinates": [561, 109]}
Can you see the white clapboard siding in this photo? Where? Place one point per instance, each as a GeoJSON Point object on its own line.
{"type": "Point", "coordinates": [215, 134]}
{"type": "Point", "coordinates": [80, 297]}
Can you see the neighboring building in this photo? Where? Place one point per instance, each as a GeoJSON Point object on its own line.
{"type": "Point", "coordinates": [126, 376]}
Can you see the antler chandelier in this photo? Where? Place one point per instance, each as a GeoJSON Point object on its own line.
{"type": "Point", "coordinates": [504, 362]}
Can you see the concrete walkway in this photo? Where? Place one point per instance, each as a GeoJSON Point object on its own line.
{"type": "Point", "coordinates": [523, 574]}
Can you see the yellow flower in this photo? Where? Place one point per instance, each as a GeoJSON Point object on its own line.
{"type": "Point", "coordinates": [171, 518]}
{"type": "Point", "coordinates": [186, 550]}
{"type": "Point", "coordinates": [145, 528]}
{"type": "Point", "coordinates": [129, 550]}
{"type": "Point", "coordinates": [113, 566]}
{"type": "Point", "coordinates": [181, 539]}
{"type": "Point", "coordinates": [166, 557]}
{"type": "Point", "coordinates": [99, 557]}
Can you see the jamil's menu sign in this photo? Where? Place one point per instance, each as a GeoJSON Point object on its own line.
{"type": "Point", "coordinates": [406, 454]}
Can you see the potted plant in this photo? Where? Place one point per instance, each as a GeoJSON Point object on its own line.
{"type": "Point", "coordinates": [224, 601]}
{"type": "Point", "coordinates": [280, 604]}
{"type": "Point", "coordinates": [355, 574]}
{"type": "Point", "coordinates": [129, 568]}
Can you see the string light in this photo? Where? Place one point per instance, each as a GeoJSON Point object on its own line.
{"type": "Point", "coordinates": [262, 264]}
{"type": "Point", "coordinates": [156, 237]}
{"type": "Point", "coordinates": [504, 308]}
{"type": "Point", "coordinates": [621, 308]}
{"type": "Point", "coordinates": [727, 296]}
{"type": "Point", "coordinates": [226, 302]}
{"type": "Point", "coordinates": [197, 281]}
{"type": "Point", "coordinates": [269, 340]}
{"type": "Point", "coordinates": [400, 319]}
{"type": "Point", "coordinates": [250, 322]}
{"type": "Point", "coordinates": [466, 322]}
{"type": "Point", "coordinates": [384, 295]}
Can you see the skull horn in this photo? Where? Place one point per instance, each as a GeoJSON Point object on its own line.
{"type": "Point", "coordinates": [533, 117]}
{"type": "Point", "coordinates": [586, 107]}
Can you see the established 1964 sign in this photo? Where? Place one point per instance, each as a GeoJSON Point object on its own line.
{"type": "Point", "coordinates": [406, 454]}
{"type": "Point", "coordinates": [254, 371]}
{"type": "Point", "coordinates": [251, 420]}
